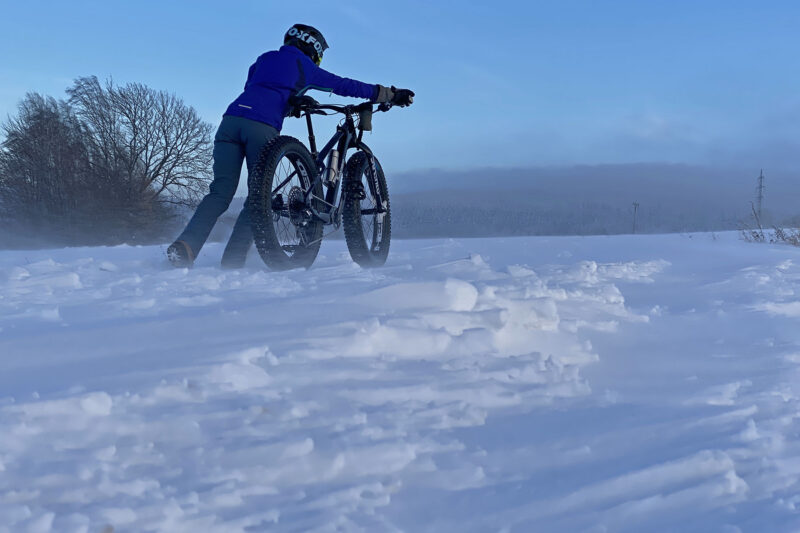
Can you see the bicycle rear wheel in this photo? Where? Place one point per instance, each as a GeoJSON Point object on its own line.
{"type": "Point", "coordinates": [366, 214]}
{"type": "Point", "coordinates": [286, 233]}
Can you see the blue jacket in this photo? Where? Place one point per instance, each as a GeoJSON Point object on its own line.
{"type": "Point", "coordinates": [277, 75]}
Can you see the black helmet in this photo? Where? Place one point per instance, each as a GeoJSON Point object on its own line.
{"type": "Point", "coordinates": [308, 39]}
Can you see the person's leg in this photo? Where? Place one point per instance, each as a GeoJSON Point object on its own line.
{"type": "Point", "coordinates": [255, 135]}
{"type": "Point", "coordinates": [229, 152]}
{"type": "Point", "coordinates": [239, 243]}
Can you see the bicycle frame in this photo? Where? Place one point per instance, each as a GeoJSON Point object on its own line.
{"type": "Point", "coordinates": [347, 137]}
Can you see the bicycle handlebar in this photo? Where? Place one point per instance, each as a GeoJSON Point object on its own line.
{"type": "Point", "coordinates": [306, 104]}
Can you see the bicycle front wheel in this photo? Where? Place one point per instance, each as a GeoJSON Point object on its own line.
{"type": "Point", "coordinates": [366, 215]}
{"type": "Point", "coordinates": [286, 233]}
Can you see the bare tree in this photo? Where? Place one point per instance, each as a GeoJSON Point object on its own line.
{"type": "Point", "coordinates": [111, 164]}
{"type": "Point", "coordinates": [149, 140]}
{"type": "Point", "coordinates": [43, 163]}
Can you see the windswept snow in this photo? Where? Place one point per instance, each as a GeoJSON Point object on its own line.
{"type": "Point", "coordinates": [639, 383]}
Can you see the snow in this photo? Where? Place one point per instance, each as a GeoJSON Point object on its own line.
{"type": "Point", "coordinates": [627, 383]}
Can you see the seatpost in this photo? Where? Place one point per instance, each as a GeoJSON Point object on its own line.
{"type": "Point", "coordinates": [312, 141]}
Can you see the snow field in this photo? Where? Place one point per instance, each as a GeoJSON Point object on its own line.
{"type": "Point", "coordinates": [472, 385]}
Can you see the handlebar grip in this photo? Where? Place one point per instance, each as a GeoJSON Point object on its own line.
{"type": "Point", "coordinates": [298, 104]}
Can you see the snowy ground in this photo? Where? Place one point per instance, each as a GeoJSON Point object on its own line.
{"type": "Point", "coordinates": [634, 383]}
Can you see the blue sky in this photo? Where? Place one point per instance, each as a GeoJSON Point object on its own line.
{"type": "Point", "coordinates": [503, 83]}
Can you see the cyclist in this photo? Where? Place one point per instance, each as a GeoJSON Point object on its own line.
{"type": "Point", "coordinates": [254, 118]}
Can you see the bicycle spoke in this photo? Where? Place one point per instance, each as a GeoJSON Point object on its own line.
{"type": "Point", "coordinates": [284, 182]}
{"type": "Point", "coordinates": [285, 230]}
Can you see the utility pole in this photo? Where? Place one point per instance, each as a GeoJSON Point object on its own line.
{"type": "Point", "coordinates": [760, 193]}
{"type": "Point", "coordinates": [635, 209]}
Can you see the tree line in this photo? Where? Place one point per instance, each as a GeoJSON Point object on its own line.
{"type": "Point", "coordinates": [455, 213]}
{"type": "Point", "coordinates": [109, 164]}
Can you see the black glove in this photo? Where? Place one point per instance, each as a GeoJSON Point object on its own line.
{"type": "Point", "coordinates": [399, 97]}
{"type": "Point", "coordinates": [298, 104]}
{"type": "Point", "coordinates": [402, 97]}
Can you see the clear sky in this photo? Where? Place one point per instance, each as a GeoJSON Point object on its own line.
{"type": "Point", "coordinates": [501, 83]}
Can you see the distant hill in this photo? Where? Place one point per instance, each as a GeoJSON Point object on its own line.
{"type": "Point", "coordinates": [578, 200]}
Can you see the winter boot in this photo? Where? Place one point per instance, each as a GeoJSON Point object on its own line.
{"type": "Point", "coordinates": [180, 255]}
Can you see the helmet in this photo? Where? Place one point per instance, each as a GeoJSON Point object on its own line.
{"type": "Point", "coordinates": [308, 39]}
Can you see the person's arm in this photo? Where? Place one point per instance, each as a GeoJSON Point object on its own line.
{"type": "Point", "coordinates": [321, 79]}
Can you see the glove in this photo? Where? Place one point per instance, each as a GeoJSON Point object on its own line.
{"type": "Point", "coordinates": [384, 95]}
{"type": "Point", "coordinates": [297, 104]}
{"type": "Point", "coordinates": [399, 97]}
{"type": "Point", "coordinates": [402, 97]}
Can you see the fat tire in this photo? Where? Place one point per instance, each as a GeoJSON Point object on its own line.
{"type": "Point", "coordinates": [259, 204]}
{"type": "Point", "coordinates": [360, 250]}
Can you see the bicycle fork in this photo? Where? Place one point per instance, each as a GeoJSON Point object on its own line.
{"type": "Point", "coordinates": [374, 187]}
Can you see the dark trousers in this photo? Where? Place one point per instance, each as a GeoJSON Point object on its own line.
{"type": "Point", "coordinates": [237, 139]}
